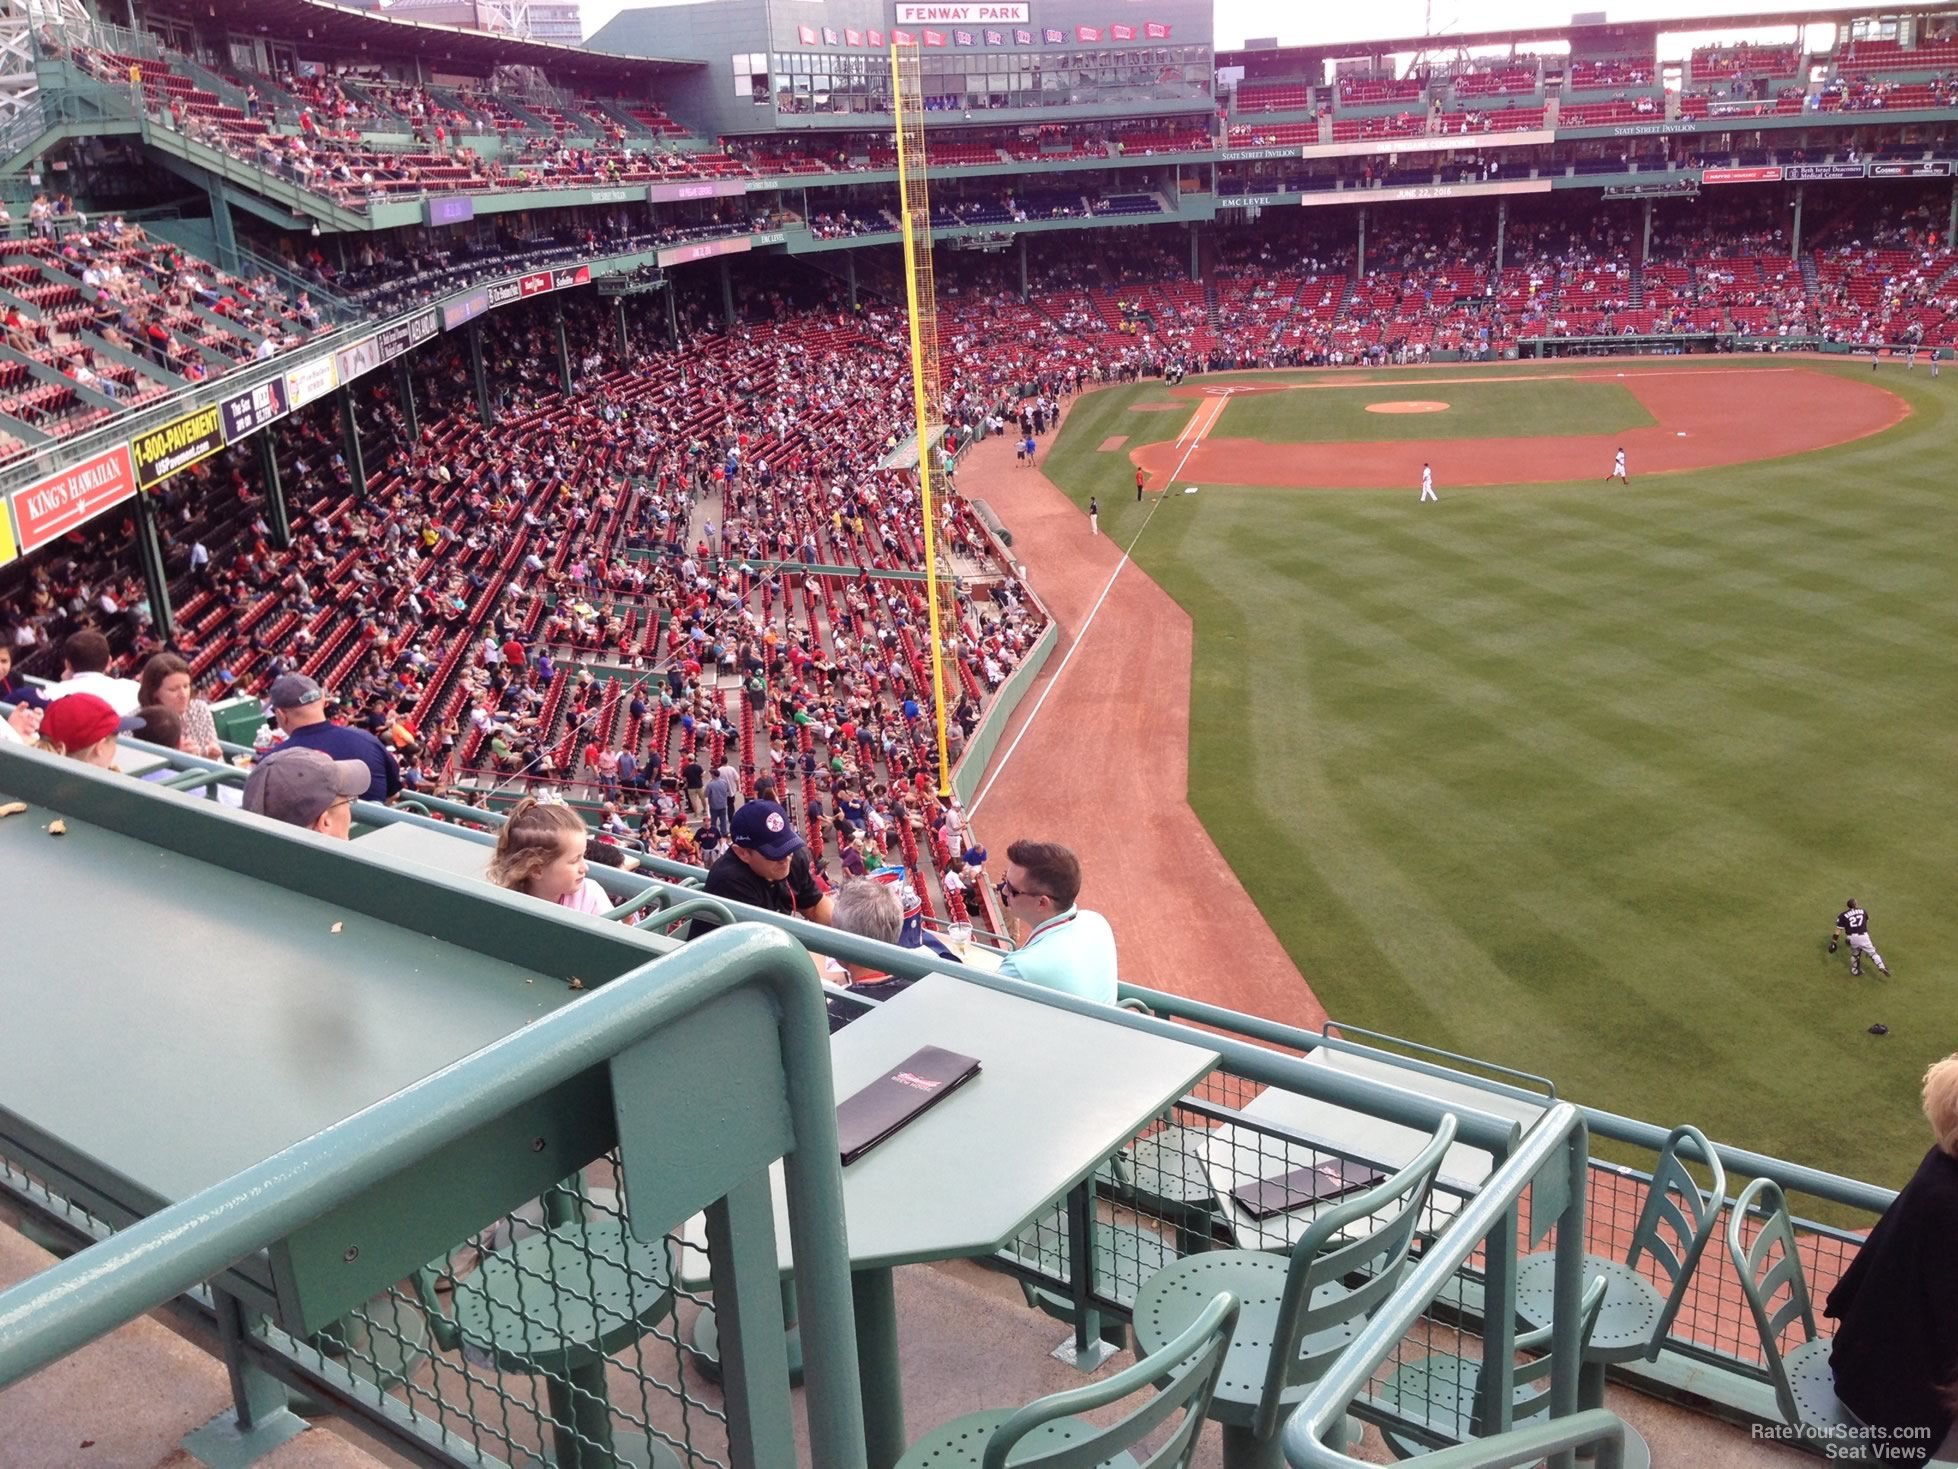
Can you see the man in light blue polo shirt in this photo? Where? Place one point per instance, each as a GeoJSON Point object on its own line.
{"type": "Point", "coordinates": [1067, 948]}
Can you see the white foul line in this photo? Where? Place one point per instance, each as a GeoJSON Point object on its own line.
{"type": "Point", "coordinates": [1217, 406]}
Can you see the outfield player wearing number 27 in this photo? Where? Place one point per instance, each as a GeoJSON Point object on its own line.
{"type": "Point", "coordinates": [1855, 923]}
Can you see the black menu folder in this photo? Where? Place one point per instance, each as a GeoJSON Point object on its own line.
{"type": "Point", "coordinates": [1315, 1185]}
{"type": "Point", "coordinates": [921, 1081]}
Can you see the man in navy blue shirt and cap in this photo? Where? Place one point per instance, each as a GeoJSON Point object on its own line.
{"type": "Point", "coordinates": [298, 707]}
{"type": "Point", "coordinates": [766, 865]}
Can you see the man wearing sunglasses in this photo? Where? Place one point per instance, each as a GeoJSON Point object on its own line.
{"type": "Point", "coordinates": [1066, 948]}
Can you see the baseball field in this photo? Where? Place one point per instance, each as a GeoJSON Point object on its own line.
{"type": "Point", "coordinates": [1569, 776]}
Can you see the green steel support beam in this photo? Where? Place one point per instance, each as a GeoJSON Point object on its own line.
{"type": "Point", "coordinates": [727, 296]}
{"type": "Point", "coordinates": [850, 275]}
{"type": "Point", "coordinates": [227, 237]}
{"type": "Point", "coordinates": [1645, 235]}
{"type": "Point", "coordinates": [277, 514]}
{"type": "Point", "coordinates": [1502, 231]}
{"type": "Point", "coordinates": [563, 352]}
{"type": "Point", "coordinates": [350, 431]}
{"type": "Point", "coordinates": [1360, 261]}
{"type": "Point", "coordinates": [618, 309]}
{"type": "Point", "coordinates": [478, 376]}
{"type": "Point", "coordinates": [1023, 269]}
{"type": "Point", "coordinates": [156, 578]}
{"type": "Point", "coordinates": [1795, 225]}
{"type": "Point", "coordinates": [672, 317]}
{"type": "Point", "coordinates": [404, 382]}
{"type": "Point", "coordinates": [1196, 260]}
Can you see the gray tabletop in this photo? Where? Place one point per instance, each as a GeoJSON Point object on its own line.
{"type": "Point", "coordinates": [171, 1021]}
{"type": "Point", "coordinates": [1056, 1094]}
{"type": "Point", "coordinates": [1235, 1156]}
{"type": "Point", "coordinates": [443, 851]}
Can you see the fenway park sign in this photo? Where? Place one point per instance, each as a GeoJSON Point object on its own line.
{"type": "Point", "coordinates": [962, 15]}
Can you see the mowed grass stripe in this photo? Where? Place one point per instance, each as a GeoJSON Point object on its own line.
{"type": "Point", "coordinates": [1574, 778]}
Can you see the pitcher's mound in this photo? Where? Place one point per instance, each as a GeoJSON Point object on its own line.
{"type": "Point", "coordinates": [1415, 405]}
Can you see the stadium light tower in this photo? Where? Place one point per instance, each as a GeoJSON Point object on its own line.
{"type": "Point", "coordinates": [509, 16]}
{"type": "Point", "coordinates": [20, 85]}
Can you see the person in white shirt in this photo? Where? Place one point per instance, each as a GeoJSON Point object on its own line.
{"type": "Point", "coordinates": [84, 664]}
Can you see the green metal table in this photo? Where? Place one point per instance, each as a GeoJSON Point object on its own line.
{"type": "Point", "coordinates": [450, 852]}
{"type": "Point", "coordinates": [1234, 1156]}
{"type": "Point", "coordinates": [1056, 1095]}
{"type": "Point", "coordinates": [189, 990]}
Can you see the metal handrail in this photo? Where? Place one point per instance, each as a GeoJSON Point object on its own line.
{"type": "Point", "coordinates": [70, 1304]}
{"type": "Point", "coordinates": [1560, 1134]}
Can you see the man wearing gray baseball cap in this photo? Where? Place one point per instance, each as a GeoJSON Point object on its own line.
{"type": "Point", "coordinates": [299, 710]}
{"type": "Point", "coordinates": [305, 788]}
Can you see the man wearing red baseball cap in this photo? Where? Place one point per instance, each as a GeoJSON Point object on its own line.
{"type": "Point", "coordinates": [84, 727]}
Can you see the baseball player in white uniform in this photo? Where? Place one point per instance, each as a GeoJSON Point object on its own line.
{"type": "Point", "coordinates": [1617, 469]}
{"type": "Point", "coordinates": [1854, 924]}
{"type": "Point", "coordinates": [1428, 483]}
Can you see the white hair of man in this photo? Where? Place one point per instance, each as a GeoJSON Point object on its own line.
{"type": "Point", "coordinates": [870, 909]}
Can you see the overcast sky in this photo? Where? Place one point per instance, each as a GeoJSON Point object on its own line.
{"type": "Point", "coordinates": [1295, 24]}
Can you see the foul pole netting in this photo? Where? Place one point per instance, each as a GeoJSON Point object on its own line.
{"type": "Point", "coordinates": [921, 299]}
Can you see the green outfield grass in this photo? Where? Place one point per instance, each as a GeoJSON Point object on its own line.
{"type": "Point", "coordinates": [1576, 779]}
{"type": "Point", "coordinates": [1481, 410]}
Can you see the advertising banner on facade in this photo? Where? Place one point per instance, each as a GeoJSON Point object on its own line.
{"type": "Point", "coordinates": [362, 357]}
{"type": "Point", "coordinates": [176, 446]}
{"type": "Point", "coordinates": [405, 336]}
{"type": "Point", "coordinates": [48, 509]}
{"type": "Point", "coordinates": [464, 309]}
{"type": "Point", "coordinates": [311, 380]}
{"type": "Point", "coordinates": [244, 414]}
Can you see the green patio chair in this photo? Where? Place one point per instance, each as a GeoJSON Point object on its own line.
{"type": "Point", "coordinates": [1672, 1231]}
{"type": "Point", "coordinates": [1804, 1387]}
{"type": "Point", "coordinates": [555, 1304]}
{"type": "Point", "coordinates": [1443, 1391]}
{"type": "Point", "coordinates": [1301, 1310]}
{"type": "Point", "coordinates": [1047, 1434]}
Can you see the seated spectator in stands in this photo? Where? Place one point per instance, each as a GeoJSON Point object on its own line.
{"type": "Point", "coordinates": [306, 788]}
{"type": "Point", "coordinates": [299, 710]}
{"type": "Point", "coordinates": [1895, 1358]}
{"type": "Point", "coordinates": [24, 723]}
{"type": "Point", "coordinates": [541, 852]}
{"type": "Point", "coordinates": [759, 867]}
{"type": "Point", "coordinates": [1066, 948]}
{"type": "Point", "coordinates": [161, 727]}
{"type": "Point", "coordinates": [84, 670]}
{"type": "Point", "coordinates": [166, 681]}
{"type": "Point", "coordinates": [871, 910]}
{"type": "Point", "coordinates": [84, 727]}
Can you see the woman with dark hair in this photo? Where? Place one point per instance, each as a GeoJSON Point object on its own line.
{"type": "Point", "coordinates": [166, 681]}
{"type": "Point", "coordinates": [1895, 1357]}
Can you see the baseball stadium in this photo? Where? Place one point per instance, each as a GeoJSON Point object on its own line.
{"type": "Point", "coordinates": [1298, 690]}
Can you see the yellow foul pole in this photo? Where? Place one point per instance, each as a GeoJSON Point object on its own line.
{"type": "Point", "coordinates": [921, 298]}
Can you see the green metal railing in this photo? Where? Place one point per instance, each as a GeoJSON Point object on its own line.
{"type": "Point", "coordinates": [477, 1405]}
{"type": "Point", "coordinates": [1557, 1141]}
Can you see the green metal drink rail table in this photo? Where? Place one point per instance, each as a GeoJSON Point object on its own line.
{"type": "Point", "coordinates": [189, 990]}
